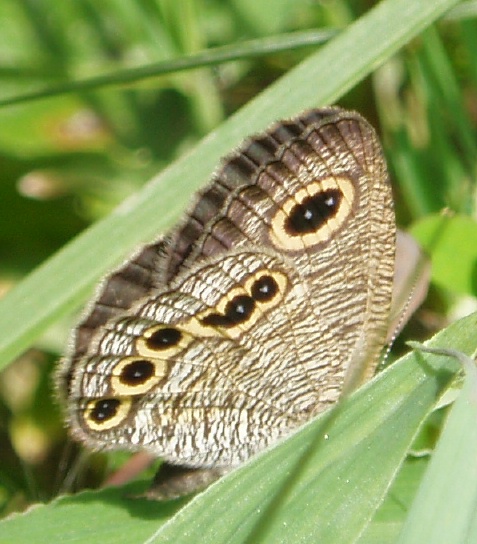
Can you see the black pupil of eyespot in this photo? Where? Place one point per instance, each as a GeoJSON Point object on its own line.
{"type": "Point", "coordinates": [313, 212]}
{"type": "Point", "coordinates": [137, 372]}
{"type": "Point", "coordinates": [105, 409]}
{"type": "Point", "coordinates": [239, 308]}
{"type": "Point", "coordinates": [164, 338]}
{"type": "Point", "coordinates": [264, 289]}
{"type": "Point", "coordinates": [237, 311]}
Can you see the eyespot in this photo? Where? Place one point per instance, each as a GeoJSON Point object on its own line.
{"type": "Point", "coordinates": [104, 410]}
{"type": "Point", "coordinates": [104, 414]}
{"type": "Point", "coordinates": [237, 311]}
{"type": "Point", "coordinates": [313, 214]}
{"type": "Point", "coordinates": [162, 341]}
{"type": "Point", "coordinates": [163, 338]}
{"type": "Point", "coordinates": [137, 375]}
{"type": "Point", "coordinates": [264, 289]}
{"type": "Point", "coordinates": [137, 372]}
{"type": "Point", "coordinates": [258, 295]}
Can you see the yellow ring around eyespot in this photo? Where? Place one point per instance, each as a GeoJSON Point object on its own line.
{"type": "Point", "coordinates": [281, 280]}
{"type": "Point", "coordinates": [282, 240]}
{"type": "Point", "coordinates": [144, 350]}
{"type": "Point", "coordinates": [120, 415]}
{"type": "Point", "coordinates": [260, 308]}
{"type": "Point", "coordinates": [120, 388]}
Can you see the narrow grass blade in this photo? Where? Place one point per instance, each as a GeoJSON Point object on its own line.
{"type": "Point", "coordinates": [445, 508]}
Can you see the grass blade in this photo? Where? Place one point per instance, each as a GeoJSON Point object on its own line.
{"type": "Point", "coordinates": [332, 499]}
{"type": "Point", "coordinates": [62, 282]}
{"type": "Point", "coordinates": [445, 507]}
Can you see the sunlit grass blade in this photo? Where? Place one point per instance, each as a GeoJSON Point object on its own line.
{"type": "Point", "coordinates": [64, 280]}
{"type": "Point", "coordinates": [348, 469]}
{"type": "Point", "coordinates": [323, 484]}
{"type": "Point", "coordinates": [445, 507]}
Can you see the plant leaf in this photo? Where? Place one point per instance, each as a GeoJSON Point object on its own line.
{"type": "Point", "coordinates": [323, 484]}
{"type": "Point", "coordinates": [443, 236]}
{"type": "Point", "coordinates": [444, 509]}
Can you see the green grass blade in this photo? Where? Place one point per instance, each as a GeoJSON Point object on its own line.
{"type": "Point", "coordinates": [463, 10]}
{"type": "Point", "coordinates": [437, 234]}
{"type": "Point", "coordinates": [210, 57]}
{"type": "Point", "coordinates": [345, 476]}
{"type": "Point", "coordinates": [63, 281]}
{"type": "Point", "coordinates": [445, 508]}
{"type": "Point", "coordinates": [342, 467]}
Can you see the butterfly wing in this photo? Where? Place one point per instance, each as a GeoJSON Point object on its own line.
{"type": "Point", "coordinates": [278, 282]}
